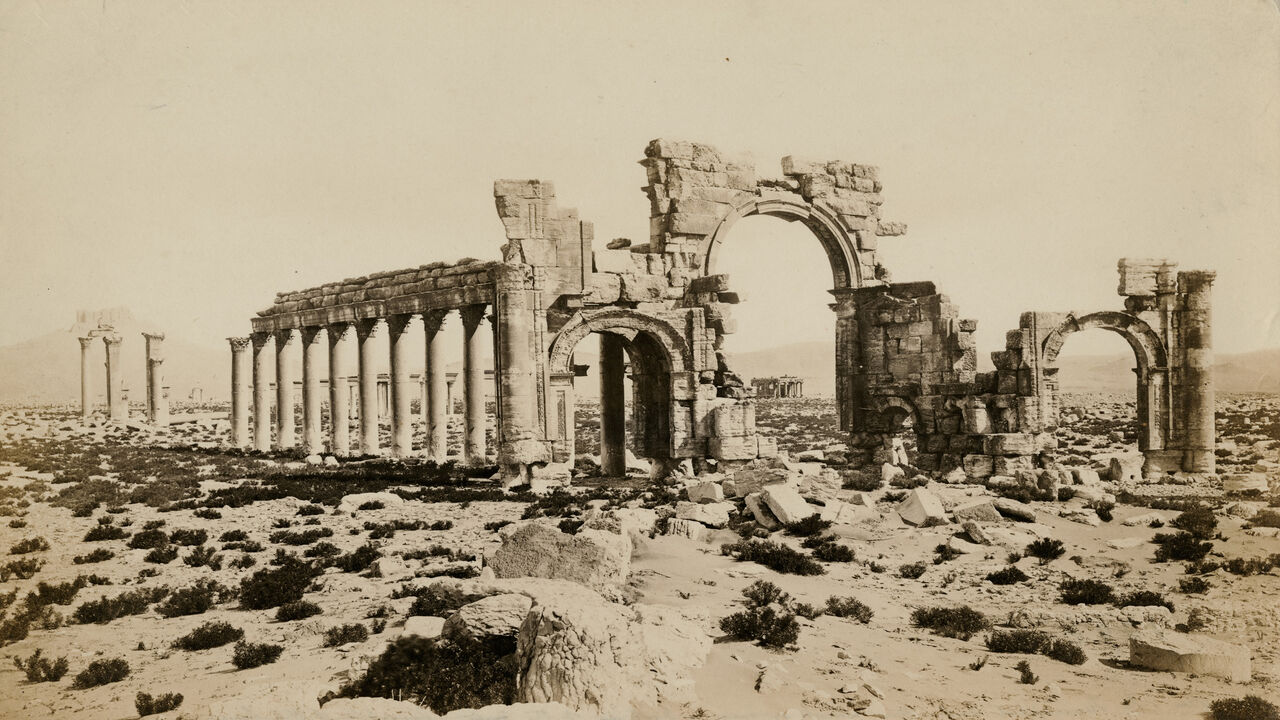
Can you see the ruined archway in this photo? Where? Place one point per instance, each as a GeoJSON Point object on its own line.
{"type": "Point", "coordinates": [659, 363]}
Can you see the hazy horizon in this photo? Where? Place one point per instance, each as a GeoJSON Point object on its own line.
{"type": "Point", "coordinates": [191, 160]}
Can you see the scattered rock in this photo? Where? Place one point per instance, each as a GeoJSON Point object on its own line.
{"type": "Point", "coordinates": [595, 558]}
{"type": "Point", "coordinates": [352, 503]}
{"type": "Point", "coordinates": [706, 492]}
{"type": "Point", "coordinates": [1014, 509]}
{"type": "Point", "coordinates": [975, 533]}
{"type": "Point", "coordinates": [714, 515]}
{"type": "Point", "coordinates": [1245, 483]}
{"type": "Point", "coordinates": [1189, 653]}
{"type": "Point", "coordinates": [1084, 516]}
{"type": "Point", "coordinates": [691, 529]}
{"type": "Point", "coordinates": [982, 511]}
{"type": "Point", "coordinates": [493, 616]}
{"type": "Point", "coordinates": [785, 503]}
{"type": "Point", "coordinates": [1143, 519]}
{"type": "Point", "coordinates": [922, 507]}
{"type": "Point", "coordinates": [761, 512]}
{"type": "Point", "coordinates": [426, 626]}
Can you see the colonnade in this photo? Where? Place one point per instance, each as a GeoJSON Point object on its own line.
{"type": "Point", "coordinates": [250, 360]}
{"type": "Point", "coordinates": [117, 408]}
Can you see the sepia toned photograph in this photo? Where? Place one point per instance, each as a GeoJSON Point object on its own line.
{"type": "Point", "coordinates": [724, 360]}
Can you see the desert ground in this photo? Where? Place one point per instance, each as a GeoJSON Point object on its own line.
{"type": "Point", "coordinates": [297, 580]}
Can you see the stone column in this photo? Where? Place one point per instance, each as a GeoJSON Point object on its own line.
{"type": "Point", "coordinates": [436, 411]}
{"type": "Point", "coordinates": [401, 386]}
{"type": "Point", "coordinates": [366, 334]}
{"type": "Point", "coordinates": [339, 392]}
{"type": "Point", "coordinates": [261, 392]}
{"type": "Point", "coordinates": [157, 404]}
{"type": "Point", "coordinates": [1197, 346]}
{"type": "Point", "coordinates": [116, 407]}
{"type": "Point", "coordinates": [286, 364]}
{"type": "Point", "coordinates": [613, 409]}
{"type": "Point", "coordinates": [312, 402]}
{"type": "Point", "coordinates": [473, 445]}
{"type": "Point", "coordinates": [518, 445]}
{"type": "Point", "coordinates": [86, 379]}
{"type": "Point", "coordinates": [239, 398]}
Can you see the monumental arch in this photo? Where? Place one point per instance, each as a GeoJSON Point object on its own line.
{"type": "Point", "coordinates": [904, 359]}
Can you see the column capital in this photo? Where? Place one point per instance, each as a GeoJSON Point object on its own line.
{"type": "Point", "coordinates": [260, 339]}
{"type": "Point", "coordinates": [153, 335]}
{"type": "Point", "coordinates": [337, 331]}
{"type": "Point", "coordinates": [397, 324]}
{"type": "Point", "coordinates": [310, 333]}
{"type": "Point", "coordinates": [472, 315]}
{"type": "Point", "coordinates": [285, 336]}
{"type": "Point", "coordinates": [369, 327]}
{"type": "Point", "coordinates": [238, 343]}
{"type": "Point", "coordinates": [112, 339]}
{"type": "Point", "coordinates": [433, 320]}
{"type": "Point", "coordinates": [86, 342]}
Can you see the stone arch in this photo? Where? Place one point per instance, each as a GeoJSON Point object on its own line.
{"type": "Point", "coordinates": [629, 322]}
{"type": "Point", "coordinates": [893, 409]}
{"type": "Point", "coordinates": [660, 363]}
{"type": "Point", "coordinates": [1148, 348]}
{"type": "Point", "coordinates": [841, 248]}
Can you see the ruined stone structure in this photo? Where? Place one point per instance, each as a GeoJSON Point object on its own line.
{"type": "Point", "coordinates": [117, 404]}
{"type": "Point", "coordinates": [786, 386]}
{"type": "Point", "coordinates": [904, 359]}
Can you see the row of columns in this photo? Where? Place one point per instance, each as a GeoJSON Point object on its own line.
{"type": "Point", "coordinates": [117, 408]}
{"type": "Point", "coordinates": [246, 366]}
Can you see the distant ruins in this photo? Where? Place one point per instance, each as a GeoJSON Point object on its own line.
{"type": "Point", "coordinates": [904, 360]}
{"type": "Point", "coordinates": [787, 386]}
{"type": "Point", "coordinates": [117, 405]}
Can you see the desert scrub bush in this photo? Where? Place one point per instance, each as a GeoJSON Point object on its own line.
{"type": "Point", "coordinates": [203, 556]}
{"type": "Point", "coordinates": [192, 600]}
{"type": "Point", "coordinates": [273, 587]}
{"type": "Point", "coordinates": [23, 569]}
{"type": "Point", "coordinates": [311, 509]}
{"type": "Point", "coordinates": [443, 675]}
{"type": "Point", "coordinates": [1266, 518]}
{"type": "Point", "coordinates": [961, 622]}
{"type": "Point", "coordinates": [809, 526]}
{"type": "Point", "coordinates": [233, 536]}
{"type": "Point", "coordinates": [146, 705]}
{"type": "Point", "coordinates": [304, 537]}
{"type": "Point", "coordinates": [893, 496]}
{"type": "Point", "coordinates": [207, 514]}
{"type": "Point", "coordinates": [1180, 546]}
{"type": "Point", "coordinates": [1249, 707]}
{"type": "Point", "coordinates": [98, 533]}
{"type": "Point", "coordinates": [1199, 521]}
{"type": "Point", "coordinates": [104, 610]}
{"type": "Point", "coordinates": [775, 556]}
{"type": "Point", "coordinates": [831, 551]}
{"type": "Point", "coordinates": [251, 655]}
{"type": "Point", "coordinates": [1251, 566]}
{"type": "Point", "coordinates": [186, 536]}
{"type": "Point", "coordinates": [322, 549]}
{"type": "Point", "coordinates": [770, 626]}
{"type": "Point", "coordinates": [1065, 651]}
{"type": "Point", "coordinates": [297, 610]}
{"type": "Point", "coordinates": [763, 592]}
{"type": "Point", "coordinates": [161, 555]}
{"type": "Point", "coordinates": [372, 505]}
{"type": "Point", "coordinates": [61, 594]}
{"type": "Point", "coordinates": [1141, 598]}
{"type": "Point", "coordinates": [101, 672]}
{"type": "Point", "coordinates": [357, 560]}
{"type": "Point", "coordinates": [945, 553]}
{"type": "Point", "coordinates": [1085, 592]}
{"type": "Point", "coordinates": [1103, 509]}
{"type": "Point", "coordinates": [149, 539]}
{"type": "Point", "coordinates": [1046, 550]}
{"type": "Point", "coordinates": [343, 634]}
{"type": "Point", "coordinates": [861, 481]}
{"type": "Point", "coordinates": [153, 525]}
{"type": "Point", "coordinates": [38, 668]}
{"type": "Point", "coordinates": [209, 635]}
{"type": "Point", "coordinates": [244, 562]}
{"type": "Point", "coordinates": [460, 572]}
{"type": "Point", "coordinates": [29, 545]}
{"type": "Point", "coordinates": [912, 571]}
{"type": "Point", "coordinates": [97, 556]}
{"type": "Point", "coordinates": [1025, 676]}
{"type": "Point", "coordinates": [847, 607]}
{"type": "Point", "coordinates": [1193, 585]}
{"type": "Point", "coordinates": [1034, 642]}
{"type": "Point", "coordinates": [496, 525]}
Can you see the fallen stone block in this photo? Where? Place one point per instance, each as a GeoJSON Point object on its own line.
{"type": "Point", "coordinates": [751, 480]}
{"type": "Point", "coordinates": [1189, 653]}
{"type": "Point", "coordinates": [351, 503]}
{"type": "Point", "coordinates": [679, 527]}
{"type": "Point", "coordinates": [980, 511]}
{"type": "Point", "coordinates": [764, 517]}
{"type": "Point", "coordinates": [1014, 509]}
{"type": "Point", "coordinates": [1085, 476]}
{"type": "Point", "coordinates": [714, 515]}
{"type": "Point", "coordinates": [1084, 516]}
{"type": "Point", "coordinates": [493, 616]}
{"type": "Point", "coordinates": [426, 626]}
{"type": "Point", "coordinates": [1247, 482]}
{"type": "Point", "coordinates": [706, 492]}
{"type": "Point", "coordinates": [922, 508]}
{"type": "Point", "coordinates": [1125, 468]}
{"type": "Point", "coordinates": [786, 504]}
{"type": "Point", "coordinates": [595, 558]}
{"type": "Point", "coordinates": [1144, 519]}
{"type": "Point", "coordinates": [975, 533]}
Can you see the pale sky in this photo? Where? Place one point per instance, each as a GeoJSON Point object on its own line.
{"type": "Point", "coordinates": [190, 159]}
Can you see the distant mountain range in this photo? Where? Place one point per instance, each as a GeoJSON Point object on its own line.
{"type": "Point", "coordinates": [46, 369]}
